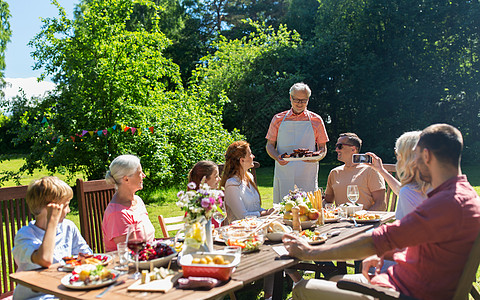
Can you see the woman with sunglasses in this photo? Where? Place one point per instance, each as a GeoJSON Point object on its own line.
{"type": "Point", "coordinates": [292, 129]}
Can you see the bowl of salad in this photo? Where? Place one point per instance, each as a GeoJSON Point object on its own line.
{"type": "Point", "coordinates": [249, 241]}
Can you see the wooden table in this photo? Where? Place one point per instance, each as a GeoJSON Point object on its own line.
{"type": "Point", "coordinates": [253, 266]}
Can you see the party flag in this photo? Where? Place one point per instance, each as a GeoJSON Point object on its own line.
{"type": "Point", "coordinates": [105, 131]}
{"type": "Point", "coordinates": [73, 138]}
{"type": "Point", "coordinates": [91, 133]}
{"type": "Point", "coordinates": [84, 132]}
{"type": "Point", "coordinates": [114, 127]}
{"type": "Point", "coordinates": [126, 128]}
{"type": "Point", "coordinates": [44, 120]}
{"type": "Point", "coordinates": [99, 133]}
{"type": "Point", "coordinates": [133, 130]}
{"type": "Point", "coordinates": [151, 129]}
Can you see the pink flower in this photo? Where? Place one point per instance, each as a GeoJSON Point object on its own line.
{"type": "Point", "coordinates": [206, 203]}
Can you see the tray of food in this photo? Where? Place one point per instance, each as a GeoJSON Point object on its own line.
{"type": "Point", "coordinates": [301, 154]}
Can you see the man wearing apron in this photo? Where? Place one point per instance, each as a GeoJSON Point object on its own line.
{"type": "Point", "coordinates": [293, 129]}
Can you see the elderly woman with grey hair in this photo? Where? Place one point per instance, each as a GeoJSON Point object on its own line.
{"type": "Point", "coordinates": [125, 207]}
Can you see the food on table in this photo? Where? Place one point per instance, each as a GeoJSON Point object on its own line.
{"type": "Point", "coordinates": [329, 214]}
{"type": "Point", "coordinates": [248, 223]}
{"type": "Point", "coordinates": [197, 282]}
{"type": "Point", "coordinates": [156, 274]}
{"type": "Point", "coordinates": [91, 274]}
{"type": "Point", "coordinates": [301, 152]}
{"type": "Point", "coordinates": [276, 226]}
{"type": "Point", "coordinates": [157, 250]}
{"type": "Point", "coordinates": [208, 260]}
{"type": "Point", "coordinates": [300, 199]}
{"type": "Point", "coordinates": [247, 240]}
{"type": "Point", "coordinates": [363, 215]}
{"type": "Point", "coordinates": [312, 236]}
{"type": "Point", "coordinates": [83, 259]}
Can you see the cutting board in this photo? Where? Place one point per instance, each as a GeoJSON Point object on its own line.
{"type": "Point", "coordinates": [160, 285]}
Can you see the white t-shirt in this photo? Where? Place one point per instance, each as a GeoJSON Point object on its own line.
{"type": "Point", "coordinates": [242, 199]}
{"type": "Point", "coordinates": [409, 198]}
{"type": "Point", "coordinates": [68, 242]}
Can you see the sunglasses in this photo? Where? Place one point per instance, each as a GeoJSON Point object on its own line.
{"type": "Point", "coordinates": [340, 146]}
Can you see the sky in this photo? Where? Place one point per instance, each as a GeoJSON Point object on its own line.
{"type": "Point", "coordinates": [25, 24]}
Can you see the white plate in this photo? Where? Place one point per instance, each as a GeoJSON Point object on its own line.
{"type": "Point", "coordinates": [301, 158]}
{"type": "Point", "coordinates": [69, 267]}
{"type": "Point", "coordinates": [79, 285]}
{"type": "Point", "coordinates": [318, 241]}
{"type": "Point", "coordinates": [304, 224]}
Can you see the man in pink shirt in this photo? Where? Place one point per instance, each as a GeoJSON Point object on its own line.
{"type": "Point", "coordinates": [293, 129]}
{"type": "Point", "coordinates": [435, 239]}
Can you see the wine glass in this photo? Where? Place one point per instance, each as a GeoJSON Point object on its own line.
{"type": "Point", "coordinates": [220, 216]}
{"type": "Point", "coordinates": [352, 193]}
{"type": "Point", "coordinates": [136, 241]}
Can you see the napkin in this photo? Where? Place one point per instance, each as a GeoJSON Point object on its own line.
{"type": "Point", "coordinates": [281, 250]}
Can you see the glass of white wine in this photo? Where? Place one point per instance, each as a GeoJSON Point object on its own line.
{"type": "Point", "coordinates": [352, 193]}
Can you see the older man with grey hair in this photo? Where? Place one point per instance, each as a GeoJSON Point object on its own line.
{"type": "Point", "coordinates": [292, 129]}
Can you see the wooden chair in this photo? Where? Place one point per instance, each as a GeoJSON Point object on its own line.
{"type": "Point", "coordinates": [256, 165]}
{"type": "Point", "coordinates": [14, 214]}
{"type": "Point", "coordinates": [464, 287]}
{"type": "Point", "coordinates": [170, 224]}
{"type": "Point", "coordinates": [93, 197]}
{"type": "Point", "coordinates": [391, 197]}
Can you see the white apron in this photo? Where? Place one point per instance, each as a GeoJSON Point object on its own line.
{"type": "Point", "coordinates": [293, 135]}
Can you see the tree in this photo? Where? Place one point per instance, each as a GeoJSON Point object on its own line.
{"type": "Point", "coordinates": [117, 84]}
{"type": "Point", "coordinates": [255, 74]}
{"type": "Point", "coordinates": [5, 33]}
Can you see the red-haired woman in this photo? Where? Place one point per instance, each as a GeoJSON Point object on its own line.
{"type": "Point", "coordinates": [241, 192]}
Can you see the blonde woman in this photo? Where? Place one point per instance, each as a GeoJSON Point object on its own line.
{"type": "Point", "coordinates": [411, 190]}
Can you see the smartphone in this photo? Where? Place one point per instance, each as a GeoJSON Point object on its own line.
{"type": "Point", "coordinates": [362, 158]}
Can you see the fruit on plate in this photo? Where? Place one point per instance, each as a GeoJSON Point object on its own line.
{"type": "Point", "coordinates": [289, 205]}
{"type": "Point", "coordinates": [157, 250]}
{"type": "Point", "coordinates": [91, 274]}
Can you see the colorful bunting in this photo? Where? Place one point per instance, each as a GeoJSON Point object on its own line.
{"type": "Point", "coordinates": [99, 132]}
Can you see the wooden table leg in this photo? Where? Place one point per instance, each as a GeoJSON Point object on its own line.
{"type": "Point", "coordinates": [278, 286]}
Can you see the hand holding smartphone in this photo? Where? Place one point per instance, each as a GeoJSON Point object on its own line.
{"type": "Point", "coordinates": [361, 158]}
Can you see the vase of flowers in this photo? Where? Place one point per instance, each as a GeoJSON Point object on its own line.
{"type": "Point", "coordinates": [199, 206]}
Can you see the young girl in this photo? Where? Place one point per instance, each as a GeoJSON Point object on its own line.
{"type": "Point", "coordinates": [50, 237]}
{"type": "Point", "coordinates": [205, 171]}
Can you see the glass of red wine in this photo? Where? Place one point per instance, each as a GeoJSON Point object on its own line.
{"type": "Point", "coordinates": [136, 241]}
